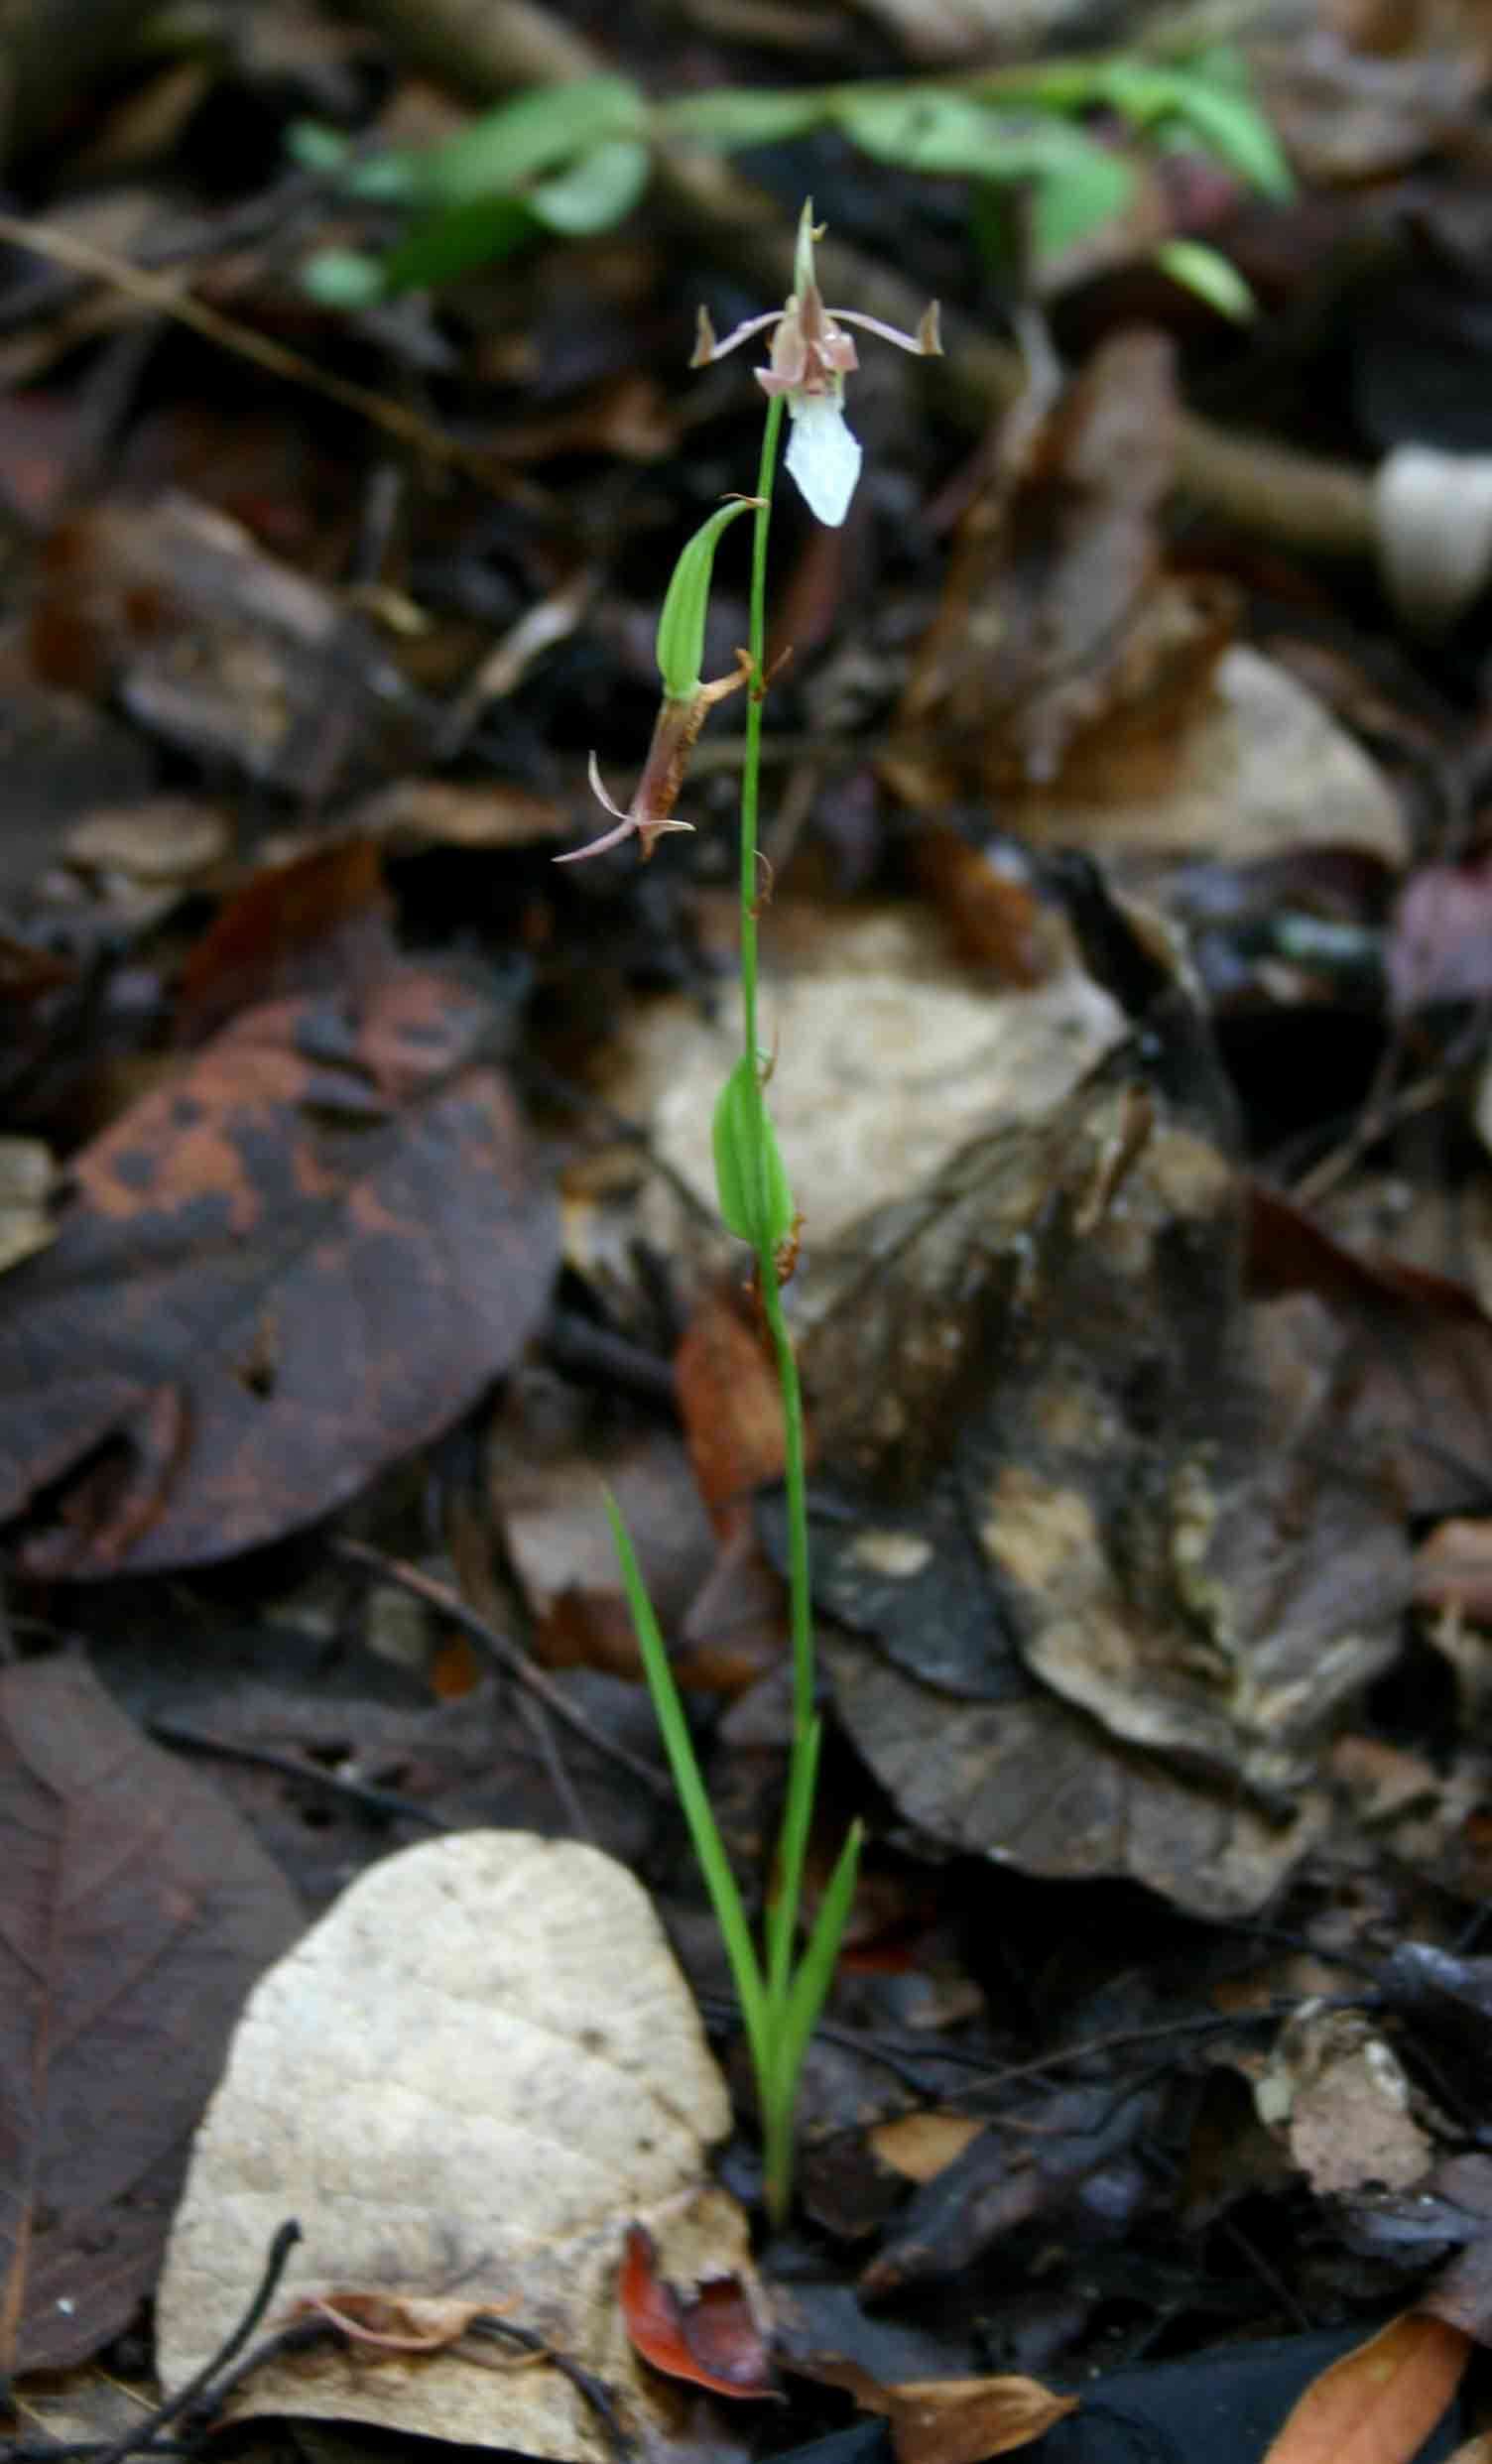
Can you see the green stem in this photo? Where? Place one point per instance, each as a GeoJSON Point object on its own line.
{"type": "Point", "coordinates": [752, 765]}
{"type": "Point", "coordinates": [778, 2095]}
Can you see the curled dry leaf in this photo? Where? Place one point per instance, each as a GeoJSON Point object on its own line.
{"type": "Point", "coordinates": [710, 2337]}
{"type": "Point", "coordinates": [466, 2082]}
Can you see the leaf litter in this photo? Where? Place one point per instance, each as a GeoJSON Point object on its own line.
{"type": "Point", "coordinates": [1143, 1305]}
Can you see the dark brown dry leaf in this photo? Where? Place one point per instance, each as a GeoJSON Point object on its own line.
{"type": "Point", "coordinates": [446, 813]}
{"type": "Point", "coordinates": [297, 1260]}
{"type": "Point", "coordinates": [220, 649]}
{"type": "Point", "coordinates": [1059, 1457]}
{"type": "Point", "coordinates": [998, 2183]}
{"type": "Point", "coordinates": [322, 918]}
{"type": "Point", "coordinates": [1454, 1568]}
{"type": "Point", "coordinates": [137, 1912]}
{"type": "Point", "coordinates": [1417, 1349]}
{"type": "Point", "coordinates": [1055, 626]}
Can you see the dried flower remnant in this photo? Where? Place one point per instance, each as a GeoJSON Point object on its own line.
{"type": "Point", "coordinates": [687, 699]}
{"type": "Point", "coordinates": [810, 356]}
{"type": "Point", "coordinates": [649, 816]}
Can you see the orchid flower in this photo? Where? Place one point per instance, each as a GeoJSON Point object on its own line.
{"type": "Point", "coordinates": [810, 356]}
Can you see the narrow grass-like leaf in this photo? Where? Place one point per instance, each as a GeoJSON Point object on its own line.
{"type": "Point", "coordinates": [815, 1970]}
{"type": "Point", "coordinates": [689, 1781]}
{"type": "Point", "coordinates": [798, 1816]}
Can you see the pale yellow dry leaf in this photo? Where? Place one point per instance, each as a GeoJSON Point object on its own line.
{"type": "Point", "coordinates": [950, 2420]}
{"type": "Point", "coordinates": [1379, 2404]}
{"type": "Point", "coordinates": [890, 1062]}
{"type": "Point", "coordinates": [963, 2420]}
{"type": "Point", "coordinates": [466, 2081]}
{"type": "Point", "coordinates": [920, 2146]}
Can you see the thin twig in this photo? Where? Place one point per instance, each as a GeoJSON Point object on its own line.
{"type": "Point", "coordinates": [164, 294]}
{"type": "Point", "coordinates": [510, 1660]}
{"type": "Point", "coordinates": [202, 2385]}
{"type": "Point", "coordinates": [356, 1792]}
{"type": "Point", "coordinates": [592, 2390]}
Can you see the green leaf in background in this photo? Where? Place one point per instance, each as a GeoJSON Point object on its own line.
{"type": "Point", "coordinates": [596, 191]}
{"type": "Point", "coordinates": [1214, 277]}
{"type": "Point", "coordinates": [315, 145]}
{"type": "Point", "coordinates": [1092, 189]}
{"type": "Point", "coordinates": [1213, 101]}
{"type": "Point", "coordinates": [742, 116]}
{"type": "Point", "coordinates": [445, 245]}
{"type": "Point", "coordinates": [392, 179]}
{"type": "Point", "coordinates": [342, 278]}
{"type": "Point", "coordinates": [1231, 125]}
{"type": "Point", "coordinates": [537, 133]}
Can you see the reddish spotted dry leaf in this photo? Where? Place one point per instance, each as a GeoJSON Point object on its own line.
{"type": "Point", "coordinates": [1379, 2404]}
{"type": "Point", "coordinates": [298, 1258]}
{"type": "Point", "coordinates": [321, 919]}
{"type": "Point", "coordinates": [709, 2338]}
{"type": "Point", "coordinates": [952, 2420]}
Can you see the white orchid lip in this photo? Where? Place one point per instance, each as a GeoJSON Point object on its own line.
{"type": "Point", "coordinates": [809, 359]}
{"type": "Point", "coordinates": [824, 457]}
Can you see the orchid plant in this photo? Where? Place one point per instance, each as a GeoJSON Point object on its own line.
{"type": "Point", "coordinates": [810, 356]}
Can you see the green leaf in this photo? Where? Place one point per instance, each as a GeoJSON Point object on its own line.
{"type": "Point", "coordinates": [342, 278]}
{"type": "Point", "coordinates": [932, 129]}
{"type": "Point", "coordinates": [1213, 100]}
{"type": "Point", "coordinates": [316, 147]}
{"type": "Point", "coordinates": [742, 116]}
{"type": "Point", "coordinates": [535, 134]}
{"type": "Point", "coordinates": [595, 190]}
{"type": "Point", "coordinates": [391, 178]}
{"type": "Point", "coordinates": [1093, 189]}
{"type": "Point", "coordinates": [444, 245]}
{"type": "Point", "coordinates": [1232, 127]}
{"type": "Point", "coordinates": [680, 622]}
{"type": "Point", "coordinates": [756, 1202]}
{"type": "Point", "coordinates": [688, 1782]}
{"type": "Point", "coordinates": [815, 1971]}
{"type": "Point", "coordinates": [1214, 276]}
{"type": "Point", "coordinates": [792, 1852]}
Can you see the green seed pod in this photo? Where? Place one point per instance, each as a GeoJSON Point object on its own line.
{"type": "Point", "coordinates": [751, 1180]}
{"type": "Point", "coordinates": [681, 627]}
